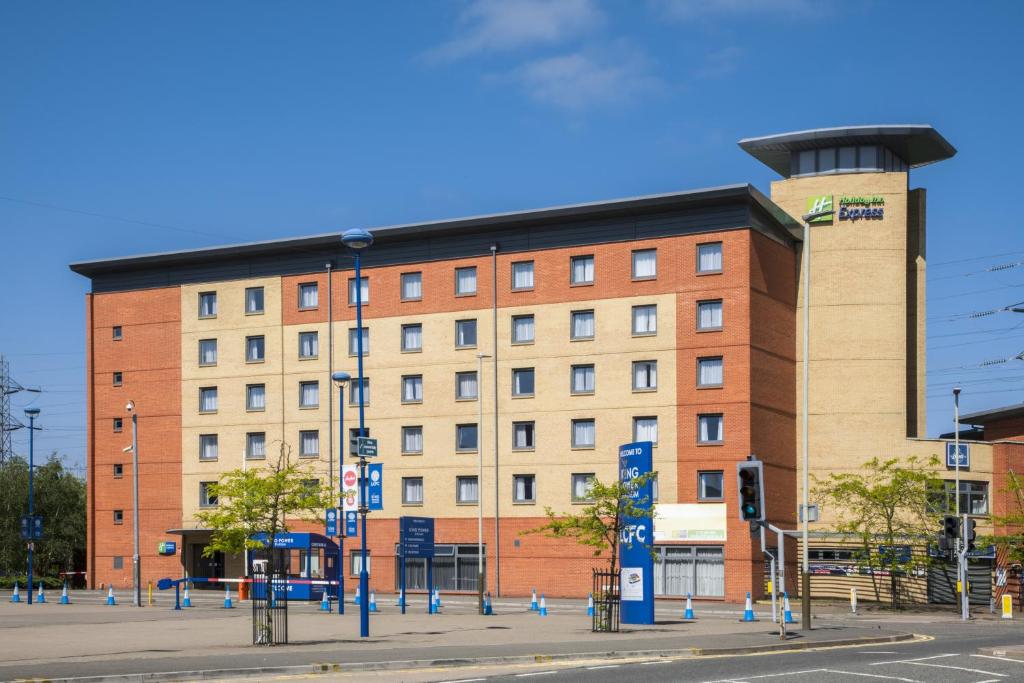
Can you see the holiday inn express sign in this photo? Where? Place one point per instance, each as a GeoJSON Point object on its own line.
{"type": "Point", "coordinates": [851, 207]}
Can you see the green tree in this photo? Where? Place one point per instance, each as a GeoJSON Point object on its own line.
{"type": "Point", "coordinates": [1012, 523]}
{"type": "Point", "coordinates": [889, 503]}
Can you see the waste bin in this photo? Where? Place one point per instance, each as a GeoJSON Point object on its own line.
{"type": "Point", "coordinates": [243, 589]}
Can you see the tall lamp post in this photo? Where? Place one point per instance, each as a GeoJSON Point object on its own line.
{"type": "Point", "coordinates": [480, 483]}
{"type": "Point", "coordinates": [341, 378]}
{"type": "Point", "coordinates": [357, 240]}
{"type": "Point", "coordinates": [31, 414]}
{"type": "Point", "coordinates": [805, 583]}
{"type": "Point", "coordinates": [136, 562]}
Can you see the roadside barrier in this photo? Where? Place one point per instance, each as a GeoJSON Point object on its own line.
{"type": "Point", "coordinates": [227, 597]}
{"type": "Point", "coordinates": [787, 614]}
{"type": "Point", "coordinates": [590, 605]}
{"type": "Point", "coordinates": [748, 610]}
{"type": "Point", "coordinates": [64, 599]}
{"type": "Point", "coordinates": [688, 614]}
{"type": "Point", "coordinates": [543, 611]}
{"type": "Point", "coordinates": [533, 601]}
{"type": "Point", "coordinates": [110, 596]}
{"type": "Point", "coordinates": [41, 597]}
{"type": "Point", "coordinates": [373, 602]}
{"type": "Point", "coordinates": [15, 597]}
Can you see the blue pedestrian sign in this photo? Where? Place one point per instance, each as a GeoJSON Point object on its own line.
{"type": "Point", "coordinates": [636, 580]}
{"type": "Point", "coordinates": [351, 526]}
{"type": "Point", "coordinates": [416, 536]}
{"type": "Point", "coordinates": [965, 455]}
{"type": "Point", "coordinates": [375, 485]}
{"type": "Point", "coordinates": [331, 522]}
{"type": "Point", "coordinates": [31, 527]}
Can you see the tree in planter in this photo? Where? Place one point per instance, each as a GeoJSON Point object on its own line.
{"type": "Point", "coordinates": [889, 503]}
{"type": "Point", "coordinates": [600, 524]}
{"type": "Point", "coordinates": [260, 501]}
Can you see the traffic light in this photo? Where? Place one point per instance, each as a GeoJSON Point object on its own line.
{"type": "Point", "coordinates": [950, 527]}
{"type": "Point", "coordinates": [970, 534]}
{"type": "Point", "coordinates": [353, 439]}
{"type": "Point", "coordinates": [750, 482]}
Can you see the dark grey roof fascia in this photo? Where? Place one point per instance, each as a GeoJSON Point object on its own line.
{"type": "Point", "coordinates": [993, 414]}
{"type": "Point", "coordinates": [916, 144]}
{"type": "Point", "coordinates": [786, 227]}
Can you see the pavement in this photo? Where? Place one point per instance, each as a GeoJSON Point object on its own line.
{"type": "Point", "coordinates": [89, 639]}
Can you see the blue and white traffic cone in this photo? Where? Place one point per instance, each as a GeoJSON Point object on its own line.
{"type": "Point", "coordinates": [110, 596]}
{"type": "Point", "coordinates": [748, 610]}
{"type": "Point", "coordinates": [437, 598]}
{"type": "Point", "coordinates": [488, 609]}
{"type": "Point", "coordinates": [543, 606]}
{"type": "Point", "coordinates": [15, 597]}
{"type": "Point", "coordinates": [533, 601]}
{"type": "Point", "coordinates": [787, 614]}
{"type": "Point", "coordinates": [227, 597]}
{"type": "Point", "coordinates": [325, 602]}
{"type": "Point", "coordinates": [590, 605]}
{"type": "Point", "coordinates": [41, 597]}
{"type": "Point", "coordinates": [64, 599]}
{"type": "Point", "coordinates": [688, 614]}
{"type": "Point", "coordinates": [400, 600]}
{"type": "Point", "coordinates": [186, 601]}
{"type": "Point", "coordinates": [431, 604]}
{"type": "Point", "coordinates": [373, 601]}
{"type": "Point", "coordinates": [355, 600]}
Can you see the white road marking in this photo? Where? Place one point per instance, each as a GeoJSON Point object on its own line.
{"type": "Point", "coordinates": [535, 673]}
{"type": "Point", "coordinates": [958, 668]}
{"type": "Point", "coordinates": [750, 678]}
{"type": "Point", "coordinates": [1001, 659]}
{"type": "Point", "coordinates": [657, 661]}
{"type": "Point", "coordinates": [855, 673]}
{"type": "Point", "coordinates": [881, 652]}
{"type": "Point", "coordinates": [605, 666]}
{"type": "Point", "coordinates": [464, 680]}
{"type": "Point", "coordinates": [919, 659]}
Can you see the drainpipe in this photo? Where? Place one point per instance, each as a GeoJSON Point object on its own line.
{"type": "Point", "coordinates": [494, 383]}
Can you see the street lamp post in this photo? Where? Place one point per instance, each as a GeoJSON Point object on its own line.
{"type": "Point", "coordinates": [805, 583]}
{"type": "Point", "coordinates": [136, 562]}
{"type": "Point", "coordinates": [341, 378]}
{"type": "Point", "coordinates": [357, 240]}
{"type": "Point", "coordinates": [480, 483]}
{"type": "Point", "coordinates": [32, 414]}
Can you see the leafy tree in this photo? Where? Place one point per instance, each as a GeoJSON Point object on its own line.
{"type": "Point", "coordinates": [888, 503]}
{"type": "Point", "coordinates": [1012, 541]}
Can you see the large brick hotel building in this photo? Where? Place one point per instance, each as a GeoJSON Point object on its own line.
{"type": "Point", "coordinates": [674, 318]}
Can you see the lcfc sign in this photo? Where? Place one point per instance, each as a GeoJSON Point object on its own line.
{"type": "Point", "coordinates": [636, 580]}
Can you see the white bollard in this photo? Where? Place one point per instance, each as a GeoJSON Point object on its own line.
{"type": "Point", "coordinates": [853, 600]}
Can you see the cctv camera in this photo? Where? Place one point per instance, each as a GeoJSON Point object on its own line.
{"type": "Point", "coordinates": [130, 407]}
{"type": "Point", "coordinates": [126, 449]}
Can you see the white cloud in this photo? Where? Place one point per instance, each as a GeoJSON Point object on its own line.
{"type": "Point", "coordinates": [720, 63]}
{"type": "Point", "coordinates": [504, 25]}
{"type": "Point", "coordinates": [683, 10]}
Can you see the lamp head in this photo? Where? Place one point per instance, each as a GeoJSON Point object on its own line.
{"type": "Point", "coordinates": [357, 239]}
{"type": "Point", "coordinates": [32, 412]}
{"type": "Point", "coordinates": [341, 377]}
{"type": "Point", "coordinates": [956, 391]}
{"type": "Point", "coordinates": [130, 407]}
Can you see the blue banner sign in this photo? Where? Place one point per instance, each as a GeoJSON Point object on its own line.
{"type": "Point", "coordinates": [898, 553]}
{"type": "Point", "coordinates": [375, 485]}
{"type": "Point", "coordinates": [331, 522]}
{"type": "Point", "coordinates": [965, 455]}
{"type": "Point", "coordinates": [351, 524]}
{"type": "Point", "coordinates": [636, 574]}
{"type": "Point", "coordinates": [416, 536]}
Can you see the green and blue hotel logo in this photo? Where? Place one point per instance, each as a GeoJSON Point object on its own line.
{"type": "Point", "coordinates": [820, 203]}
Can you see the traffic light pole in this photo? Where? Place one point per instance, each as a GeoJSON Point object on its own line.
{"type": "Point", "coordinates": [962, 542]}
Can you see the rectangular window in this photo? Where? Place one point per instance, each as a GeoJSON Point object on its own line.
{"type": "Point", "coordinates": [869, 158]}
{"type": "Point", "coordinates": [118, 516]}
{"type": "Point", "coordinates": [118, 471]}
{"type": "Point", "coordinates": [581, 325]}
{"type": "Point", "coordinates": [709, 371]}
{"type": "Point", "coordinates": [827, 160]}
{"type": "Point", "coordinates": [207, 446]}
{"type": "Point", "coordinates": [207, 497]}
{"type": "Point", "coordinates": [709, 315]}
{"type": "Point", "coordinates": [581, 487]}
{"type": "Point", "coordinates": [412, 439]}
{"type": "Point", "coordinates": [309, 394]}
{"type": "Point", "coordinates": [709, 429]}
{"type": "Point", "coordinates": [412, 490]}
{"type": "Point", "coordinates": [583, 379]}
{"type": "Point", "coordinates": [465, 437]}
{"type": "Point", "coordinates": [645, 320]}
{"type": "Point", "coordinates": [522, 382]}
{"type": "Point", "coordinates": [584, 433]}
{"type": "Point", "coordinates": [309, 345]}
{"type": "Point", "coordinates": [847, 159]}
{"type": "Point", "coordinates": [973, 498]}
{"type": "Point", "coordinates": [256, 445]}
{"type": "Point", "coordinates": [465, 334]}
{"type": "Point", "coordinates": [466, 386]}
{"type": "Point", "coordinates": [709, 485]}
{"type": "Point", "coordinates": [255, 349]}
{"type": "Point", "coordinates": [465, 281]}
{"type": "Point", "coordinates": [309, 296]}
{"type": "Point", "coordinates": [356, 562]}
{"type": "Point", "coordinates": [522, 275]}
{"type": "Point", "coordinates": [522, 329]}
{"type": "Point", "coordinates": [353, 341]}
{"type": "Point", "coordinates": [117, 379]}
{"type": "Point", "coordinates": [466, 491]}
{"type": "Point", "coordinates": [253, 300]}
{"type": "Point", "coordinates": [582, 270]}
{"type": "Point", "coordinates": [709, 257]}
{"type": "Point", "coordinates": [645, 375]}
{"type": "Point", "coordinates": [412, 338]}
{"type": "Point", "coordinates": [255, 397]}
{"type": "Point", "coordinates": [412, 286]}
{"type": "Point", "coordinates": [645, 429]}
{"type": "Point", "coordinates": [207, 352]}
{"type": "Point", "coordinates": [353, 391]}
{"type": "Point", "coordinates": [523, 434]}
{"type": "Point", "coordinates": [207, 304]}
{"type": "Point", "coordinates": [645, 264]}
{"type": "Point", "coordinates": [116, 333]}
{"type": "Point", "coordinates": [208, 400]}
{"type": "Point", "coordinates": [309, 443]}
{"type": "Point", "coordinates": [118, 424]}
{"type": "Point", "coordinates": [412, 389]}
{"type": "Point", "coordinates": [118, 562]}
{"type": "Point", "coordinates": [524, 488]}
{"type": "Point", "coordinates": [806, 162]}
{"type": "Point", "coordinates": [364, 290]}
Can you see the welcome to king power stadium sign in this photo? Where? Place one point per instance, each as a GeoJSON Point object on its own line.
{"type": "Point", "coordinates": [851, 207]}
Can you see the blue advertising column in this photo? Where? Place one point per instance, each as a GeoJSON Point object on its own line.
{"type": "Point", "coordinates": [636, 574]}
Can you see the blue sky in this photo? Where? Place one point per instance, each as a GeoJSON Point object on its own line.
{"type": "Point", "coordinates": [207, 123]}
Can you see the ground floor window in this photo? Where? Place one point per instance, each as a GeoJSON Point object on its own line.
{"type": "Point", "coordinates": [455, 568]}
{"type": "Point", "coordinates": [698, 570]}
